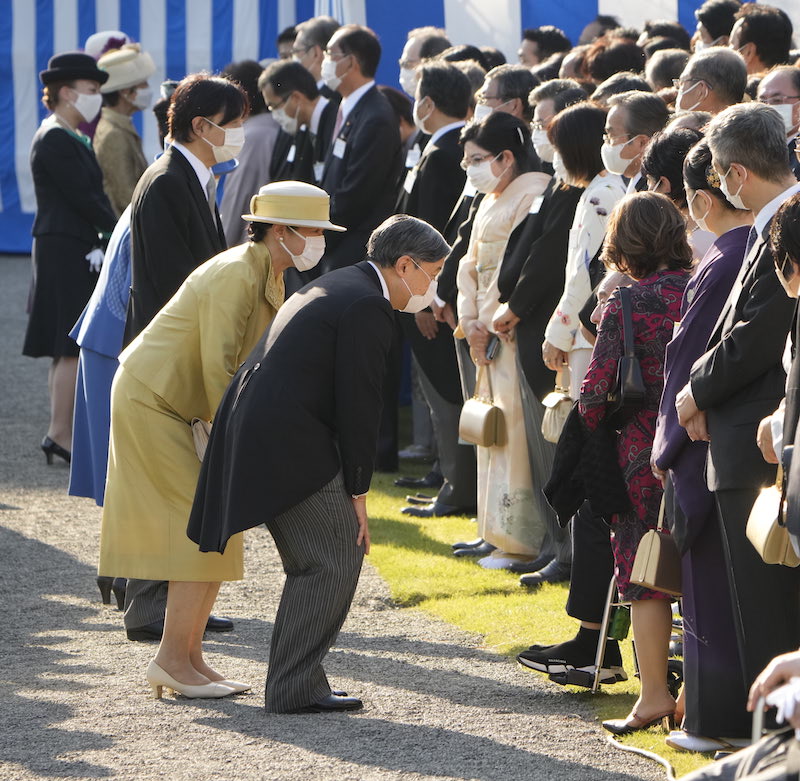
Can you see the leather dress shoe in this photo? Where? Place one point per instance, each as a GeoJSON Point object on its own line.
{"type": "Point", "coordinates": [333, 702]}
{"type": "Point", "coordinates": [420, 499]}
{"type": "Point", "coordinates": [484, 549]}
{"type": "Point", "coordinates": [523, 567]}
{"type": "Point", "coordinates": [434, 510]}
{"type": "Point", "coordinates": [470, 544]}
{"type": "Point", "coordinates": [156, 629]}
{"type": "Point", "coordinates": [218, 624]}
{"type": "Point", "coordinates": [431, 480]}
{"type": "Point", "coordinates": [552, 573]}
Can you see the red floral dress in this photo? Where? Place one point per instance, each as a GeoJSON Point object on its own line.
{"type": "Point", "coordinates": [656, 304]}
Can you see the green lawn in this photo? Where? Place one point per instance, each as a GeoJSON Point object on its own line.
{"type": "Point", "coordinates": [414, 556]}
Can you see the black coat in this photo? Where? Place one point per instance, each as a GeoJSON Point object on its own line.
{"type": "Point", "coordinates": [457, 234]}
{"type": "Point", "coordinates": [305, 405]}
{"type": "Point", "coordinates": [362, 165]}
{"type": "Point", "coordinates": [532, 277]}
{"type": "Point", "coordinates": [70, 200]}
{"type": "Point", "coordinates": [172, 233]}
{"type": "Point", "coordinates": [311, 150]}
{"type": "Point", "coordinates": [740, 380]}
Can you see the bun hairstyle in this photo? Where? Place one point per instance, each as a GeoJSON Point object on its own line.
{"type": "Point", "coordinates": [698, 173]}
{"type": "Point", "coordinates": [500, 131]}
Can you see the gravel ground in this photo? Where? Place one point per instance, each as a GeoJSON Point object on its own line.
{"type": "Point", "coordinates": [75, 703]}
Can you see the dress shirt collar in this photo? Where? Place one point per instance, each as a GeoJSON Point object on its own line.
{"type": "Point", "coordinates": [316, 115]}
{"type": "Point", "coordinates": [203, 173]}
{"type": "Point", "coordinates": [446, 129]}
{"type": "Point", "coordinates": [349, 103]}
{"type": "Point", "coordinates": [768, 212]}
{"type": "Point", "coordinates": [384, 289]}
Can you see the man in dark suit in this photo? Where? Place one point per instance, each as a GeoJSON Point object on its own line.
{"type": "Point", "coordinates": [175, 227]}
{"type": "Point", "coordinates": [364, 157]}
{"type": "Point", "coordinates": [740, 380]}
{"type": "Point", "coordinates": [430, 192]}
{"type": "Point", "coordinates": [293, 446]}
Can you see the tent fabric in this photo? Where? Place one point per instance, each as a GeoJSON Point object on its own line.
{"type": "Point", "coordinates": [184, 36]}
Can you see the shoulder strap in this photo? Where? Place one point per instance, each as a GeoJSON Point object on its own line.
{"type": "Point", "coordinates": [627, 320]}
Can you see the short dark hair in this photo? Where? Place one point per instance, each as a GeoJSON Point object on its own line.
{"type": "Point", "coordinates": [664, 156]}
{"type": "Point", "coordinates": [500, 131]}
{"type": "Point", "coordinates": [160, 110]}
{"type": "Point", "coordinates": [432, 41]}
{"type": "Point", "coordinates": [666, 28]}
{"type": "Point", "coordinates": [547, 70]}
{"type": "Point", "coordinates": [446, 86]}
{"type": "Point", "coordinates": [400, 102]}
{"type": "Point", "coordinates": [608, 56]}
{"type": "Point", "coordinates": [466, 51]}
{"type": "Point", "coordinates": [563, 93]}
{"type": "Point", "coordinates": [645, 113]}
{"type": "Point", "coordinates": [494, 57]}
{"type": "Point", "coordinates": [717, 16]}
{"type": "Point", "coordinates": [286, 35]}
{"type": "Point", "coordinates": [246, 73]}
{"type": "Point", "coordinates": [514, 82]}
{"type": "Point", "coordinates": [548, 39]}
{"type": "Point", "coordinates": [620, 82]}
{"type": "Point", "coordinates": [363, 44]}
{"type": "Point", "coordinates": [664, 66]}
{"type": "Point", "coordinates": [602, 23]}
{"type": "Point", "coordinates": [204, 95]}
{"type": "Point", "coordinates": [655, 45]}
{"type": "Point", "coordinates": [111, 98]}
{"type": "Point", "coordinates": [256, 231]}
{"type": "Point", "coordinates": [698, 174]}
{"type": "Point", "coordinates": [401, 235]}
{"type": "Point", "coordinates": [769, 28]}
{"type": "Point", "coordinates": [577, 134]}
{"type": "Point", "coordinates": [287, 76]}
{"type": "Point", "coordinates": [784, 233]}
{"type": "Point", "coordinates": [318, 30]}
{"type": "Point", "coordinates": [645, 231]}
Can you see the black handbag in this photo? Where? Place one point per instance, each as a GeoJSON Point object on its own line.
{"type": "Point", "coordinates": [628, 395]}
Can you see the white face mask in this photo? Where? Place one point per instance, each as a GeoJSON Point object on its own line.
{"type": "Point", "coordinates": [328, 73]}
{"type": "Point", "coordinates": [419, 302]}
{"type": "Point", "coordinates": [312, 252]}
{"type": "Point", "coordinates": [679, 109]}
{"type": "Point", "coordinates": [234, 141]}
{"type": "Point", "coordinates": [558, 168]}
{"type": "Point", "coordinates": [735, 199]}
{"type": "Point", "coordinates": [419, 121]}
{"type": "Point", "coordinates": [542, 145]}
{"type": "Point", "coordinates": [786, 111]}
{"type": "Point", "coordinates": [142, 98]}
{"type": "Point", "coordinates": [612, 157]}
{"type": "Point", "coordinates": [701, 45]}
{"type": "Point", "coordinates": [699, 221]}
{"type": "Point", "coordinates": [408, 80]}
{"type": "Point", "coordinates": [482, 111]}
{"type": "Point", "coordinates": [480, 176]}
{"type": "Point", "coordinates": [288, 124]}
{"type": "Point", "coordinates": [88, 106]}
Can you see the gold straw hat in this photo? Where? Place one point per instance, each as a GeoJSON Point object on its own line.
{"type": "Point", "coordinates": [292, 203]}
{"type": "Point", "coordinates": [126, 67]}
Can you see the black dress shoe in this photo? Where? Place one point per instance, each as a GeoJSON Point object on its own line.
{"type": "Point", "coordinates": [147, 632]}
{"type": "Point", "coordinates": [332, 702]}
{"type": "Point", "coordinates": [431, 480]}
{"type": "Point", "coordinates": [484, 549]}
{"type": "Point", "coordinates": [218, 624]}
{"type": "Point", "coordinates": [420, 499]}
{"type": "Point", "coordinates": [552, 573]}
{"type": "Point", "coordinates": [521, 567]}
{"type": "Point", "coordinates": [471, 544]}
{"type": "Point", "coordinates": [435, 510]}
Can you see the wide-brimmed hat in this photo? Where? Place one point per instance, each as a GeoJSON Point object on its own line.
{"type": "Point", "coordinates": [70, 66]}
{"type": "Point", "coordinates": [126, 67]}
{"type": "Point", "coordinates": [292, 203]}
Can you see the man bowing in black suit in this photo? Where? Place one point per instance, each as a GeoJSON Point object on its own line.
{"type": "Point", "coordinates": [364, 158]}
{"type": "Point", "coordinates": [740, 380]}
{"type": "Point", "coordinates": [293, 446]}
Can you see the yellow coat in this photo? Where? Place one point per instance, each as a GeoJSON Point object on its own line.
{"type": "Point", "coordinates": [178, 368]}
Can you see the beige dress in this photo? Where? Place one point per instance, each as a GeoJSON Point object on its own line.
{"type": "Point", "coordinates": [507, 515]}
{"type": "Point", "coordinates": [177, 369]}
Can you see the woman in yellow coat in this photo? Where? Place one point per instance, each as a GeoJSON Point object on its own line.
{"type": "Point", "coordinates": [176, 370]}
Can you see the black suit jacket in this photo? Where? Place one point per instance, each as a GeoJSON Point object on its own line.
{"type": "Point", "coordinates": [363, 162]}
{"type": "Point", "coordinates": [279, 165]}
{"type": "Point", "coordinates": [311, 150]}
{"type": "Point", "coordinates": [532, 275]}
{"type": "Point", "coordinates": [70, 200]}
{"type": "Point", "coordinates": [305, 405]}
{"type": "Point", "coordinates": [457, 234]}
{"type": "Point", "coordinates": [740, 380]}
{"type": "Point", "coordinates": [172, 233]}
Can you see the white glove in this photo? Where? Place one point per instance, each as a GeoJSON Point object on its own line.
{"type": "Point", "coordinates": [95, 258]}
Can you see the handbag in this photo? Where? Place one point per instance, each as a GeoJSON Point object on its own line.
{"type": "Point", "coordinates": [201, 431]}
{"type": "Point", "coordinates": [481, 422]}
{"type": "Point", "coordinates": [766, 529]}
{"type": "Point", "coordinates": [658, 564]}
{"type": "Point", "coordinates": [628, 395]}
{"type": "Point", "coordinates": [557, 405]}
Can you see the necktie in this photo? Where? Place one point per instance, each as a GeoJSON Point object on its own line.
{"type": "Point", "coordinates": [338, 126]}
{"type": "Point", "coordinates": [211, 195]}
{"type": "Point", "coordinates": [751, 240]}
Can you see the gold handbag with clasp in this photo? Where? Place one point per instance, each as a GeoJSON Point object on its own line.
{"type": "Point", "coordinates": [481, 422]}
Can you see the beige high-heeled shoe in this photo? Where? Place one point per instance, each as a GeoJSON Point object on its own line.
{"type": "Point", "coordinates": [237, 686]}
{"type": "Point", "coordinates": [158, 679]}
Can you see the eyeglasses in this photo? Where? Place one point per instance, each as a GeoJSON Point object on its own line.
{"type": "Point", "coordinates": [777, 100]}
{"type": "Point", "coordinates": [609, 139]}
{"type": "Point", "coordinates": [283, 102]}
{"type": "Point", "coordinates": [678, 83]}
{"type": "Point", "coordinates": [476, 160]}
{"type": "Point", "coordinates": [483, 98]}
{"type": "Point", "coordinates": [336, 56]}
{"type": "Point", "coordinates": [408, 64]}
{"type": "Point", "coordinates": [539, 125]}
{"type": "Point", "coordinates": [298, 50]}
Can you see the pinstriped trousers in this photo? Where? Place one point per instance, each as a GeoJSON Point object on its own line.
{"type": "Point", "coordinates": [316, 540]}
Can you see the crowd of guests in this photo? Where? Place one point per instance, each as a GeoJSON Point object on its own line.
{"type": "Point", "coordinates": [657, 162]}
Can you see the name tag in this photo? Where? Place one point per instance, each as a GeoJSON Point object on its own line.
{"type": "Point", "coordinates": [536, 204]}
{"type": "Point", "coordinates": [318, 168]}
{"type": "Point", "coordinates": [292, 152]}
{"type": "Point", "coordinates": [411, 177]}
{"type": "Point", "coordinates": [338, 147]}
{"type": "Point", "coordinates": [412, 158]}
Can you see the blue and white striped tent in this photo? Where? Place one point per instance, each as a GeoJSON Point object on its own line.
{"type": "Point", "coordinates": [190, 35]}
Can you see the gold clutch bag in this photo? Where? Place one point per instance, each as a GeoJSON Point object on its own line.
{"type": "Point", "coordinates": [658, 563]}
{"type": "Point", "coordinates": [557, 406]}
{"type": "Point", "coordinates": [766, 530]}
{"type": "Point", "coordinates": [201, 431]}
{"type": "Point", "coordinates": [481, 422]}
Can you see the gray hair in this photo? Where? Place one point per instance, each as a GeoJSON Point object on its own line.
{"type": "Point", "coordinates": [664, 66]}
{"type": "Point", "coordinates": [722, 69]}
{"type": "Point", "coordinates": [645, 113]}
{"type": "Point", "coordinates": [551, 89]}
{"type": "Point", "coordinates": [404, 235]}
{"type": "Point", "coordinates": [751, 134]}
